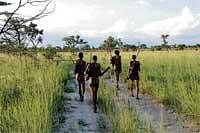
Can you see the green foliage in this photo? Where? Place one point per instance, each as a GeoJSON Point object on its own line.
{"type": "Point", "coordinates": [123, 118]}
{"type": "Point", "coordinates": [171, 77]}
{"type": "Point", "coordinates": [10, 96]}
{"type": "Point", "coordinates": [30, 95]}
{"type": "Point", "coordinates": [111, 43]}
{"type": "Point", "coordinates": [34, 35]}
{"type": "Point", "coordinates": [20, 35]}
{"type": "Point", "coordinates": [72, 42]}
{"type": "Point", "coordinates": [50, 52]}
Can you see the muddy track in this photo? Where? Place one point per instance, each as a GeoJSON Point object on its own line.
{"type": "Point", "coordinates": [79, 116]}
{"type": "Point", "coordinates": [160, 117]}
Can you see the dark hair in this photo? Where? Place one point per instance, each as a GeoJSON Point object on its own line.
{"type": "Point", "coordinates": [117, 52]}
{"type": "Point", "coordinates": [94, 57]}
{"type": "Point", "coordinates": [134, 57]}
{"type": "Point", "coordinates": [80, 55]}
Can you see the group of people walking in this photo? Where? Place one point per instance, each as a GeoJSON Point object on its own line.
{"type": "Point", "coordinates": [92, 71]}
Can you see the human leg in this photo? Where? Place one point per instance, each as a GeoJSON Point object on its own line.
{"type": "Point", "coordinates": [137, 87]}
{"type": "Point", "coordinates": [80, 91]}
{"type": "Point", "coordinates": [132, 86]}
{"type": "Point", "coordinates": [117, 79]}
{"type": "Point", "coordinates": [83, 90]}
{"type": "Point", "coordinates": [94, 98]}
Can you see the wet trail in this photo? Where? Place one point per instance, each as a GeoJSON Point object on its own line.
{"type": "Point", "coordinates": [161, 118]}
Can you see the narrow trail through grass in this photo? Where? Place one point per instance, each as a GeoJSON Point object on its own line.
{"type": "Point", "coordinates": [159, 118]}
{"type": "Point", "coordinates": [79, 116]}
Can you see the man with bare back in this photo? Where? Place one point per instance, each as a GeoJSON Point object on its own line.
{"type": "Point", "coordinates": [116, 63]}
{"type": "Point", "coordinates": [80, 67]}
{"type": "Point", "coordinates": [93, 72]}
{"type": "Point", "coordinates": [133, 75]}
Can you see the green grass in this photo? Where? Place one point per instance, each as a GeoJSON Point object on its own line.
{"type": "Point", "coordinates": [30, 94]}
{"type": "Point", "coordinates": [172, 78]}
{"type": "Point", "coordinates": [123, 119]}
{"type": "Point", "coordinates": [176, 81]}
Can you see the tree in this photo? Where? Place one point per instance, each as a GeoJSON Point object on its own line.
{"type": "Point", "coordinates": [85, 47]}
{"type": "Point", "coordinates": [111, 43]}
{"type": "Point", "coordinates": [72, 42]}
{"type": "Point", "coordinates": [129, 46]}
{"type": "Point", "coordinates": [44, 11]}
{"type": "Point", "coordinates": [34, 35]}
{"type": "Point", "coordinates": [181, 46]}
{"type": "Point", "coordinates": [164, 38]}
{"type": "Point", "coordinates": [3, 3]}
{"type": "Point", "coordinates": [198, 45]}
{"type": "Point", "coordinates": [18, 30]}
{"type": "Point", "coordinates": [143, 46]}
{"type": "Point", "coordinates": [50, 52]}
{"type": "Point", "coordinates": [157, 47]}
{"type": "Point", "coordinates": [21, 35]}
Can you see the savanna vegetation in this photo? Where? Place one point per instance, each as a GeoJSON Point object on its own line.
{"type": "Point", "coordinates": [32, 83]}
{"type": "Point", "coordinates": [30, 94]}
{"type": "Point", "coordinates": [171, 77]}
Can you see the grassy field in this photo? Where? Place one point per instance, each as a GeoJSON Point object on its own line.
{"type": "Point", "coordinates": [123, 119]}
{"type": "Point", "coordinates": [173, 77]}
{"type": "Point", "coordinates": [30, 94]}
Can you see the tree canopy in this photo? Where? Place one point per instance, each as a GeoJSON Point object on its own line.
{"type": "Point", "coordinates": [3, 3]}
{"type": "Point", "coordinates": [111, 43]}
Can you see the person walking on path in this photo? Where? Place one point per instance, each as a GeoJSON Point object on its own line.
{"type": "Point", "coordinates": [93, 73]}
{"type": "Point", "coordinates": [133, 75]}
{"type": "Point", "coordinates": [79, 70]}
{"type": "Point", "coordinates": [116, 63]}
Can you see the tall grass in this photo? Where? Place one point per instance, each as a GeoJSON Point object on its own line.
{"type": "Point", "coordinates": [29, 94]}
{"type": "Point", "coordinates": [171, 77]}
{"type": "Point", "coordinates": [123, 119]}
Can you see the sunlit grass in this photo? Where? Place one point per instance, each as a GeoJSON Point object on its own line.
{"type": "Point", "coordinates": [171, 77]}
{"type": "Point", "coordinates": [123, 119]}
{"type": "Point", "coordinates": [29, 93]}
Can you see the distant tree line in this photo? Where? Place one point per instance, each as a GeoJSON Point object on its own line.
{"type": "Point", "coordinates": [175, 47]}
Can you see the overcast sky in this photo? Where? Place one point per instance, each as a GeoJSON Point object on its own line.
{"type": "Point", "coordinates": [131, 20]}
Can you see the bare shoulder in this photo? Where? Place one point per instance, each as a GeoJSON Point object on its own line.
{"type": "Point", "coordinates": [98, 65]}
{"type": "Point", "coordinates": [77, 61]}
{"type": "Point", "coordinates": [84, 62]}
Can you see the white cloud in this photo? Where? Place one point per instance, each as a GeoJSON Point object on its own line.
{"type": "Point", "coordinates": [66, 16]}
{"type": "Point", "coordinates": [118, 26]}
{"type": "Point", "coordinates": [175, 26]}
{"type": "Point", "coordinates": [100, 18]}
{"type": "Point", "coordinates": [90, 33]}
{"type": "Point", "coordinates": [162, 0]}
{"type": "Point", "coordinates": [143, 3]}
{"type": "Point", "coordinates": [111, 12]}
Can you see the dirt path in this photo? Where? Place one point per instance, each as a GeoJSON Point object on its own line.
{"type": "Point", "coordinates": [160, 118]}
{"type": "Point", "coordinates": [79, 116]}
